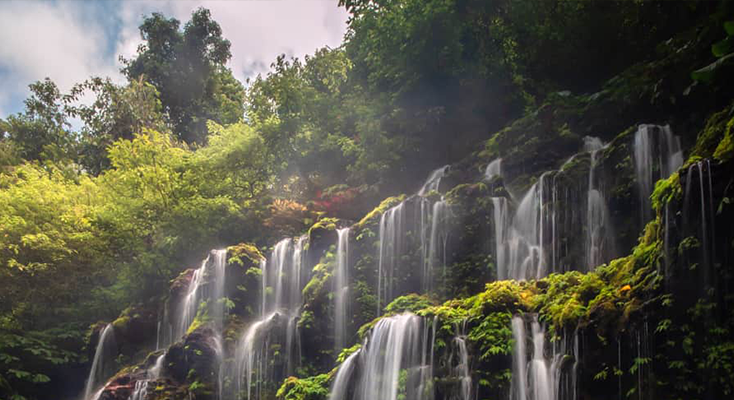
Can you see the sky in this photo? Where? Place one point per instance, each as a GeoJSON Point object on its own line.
{"type": "Point", "coordinates": [69, 41]}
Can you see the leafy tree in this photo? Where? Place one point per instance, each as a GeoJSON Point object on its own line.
{"type": "Point", "coordinates": [118, 112]}
{"type": "Point", "coordinates": [41, 132]}
{"type": "Point", "coordinates": [188, 69]}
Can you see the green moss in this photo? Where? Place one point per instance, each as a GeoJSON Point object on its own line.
{"type": "Point", "coordinates": [666, 190]}
{"type": "Point", "coordinates": [311, 388]}
{"type": "Point", "coordinates": [725, 149]}
{"type": "Point", "coordinates": [411, 302]}
{"type": "Point", "coordinates": [306, 320]}
{"type": "Point", "coordinates": [461, 193]}
{"type": "Point", "coordinates": [566, 297]}
{"type": "Point", "coordinates": [320, 230]}
{"type": "Point", "coordinates": [717, 131]}
{"type": "Point", "coordinates": [320, 275]}
{"type": "Point", "coordinates": [244, 254]}
{"type": "Point", "coordinates": [121, 323]}
{"type": "Point", "coordinates": [379, 210]}
{"type": "Point", "coordinates": [348, 352]}
{"type": "Point", "coordinates": [202, 318]}
{"type": "Point", "coordinates": [328, 224]}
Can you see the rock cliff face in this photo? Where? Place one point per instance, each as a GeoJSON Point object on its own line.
{"type": "Point", "coordinates": [591, 260]}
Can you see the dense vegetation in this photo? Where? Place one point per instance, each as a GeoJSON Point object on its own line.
{"type": "Point", "coordinates": [100, 218]}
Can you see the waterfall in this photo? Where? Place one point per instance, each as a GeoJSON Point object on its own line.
{"type": "Point", "coordinates": [644, 356]}
{"type": "Point", "coordinates": [519, 386]}
{"type": "Point", "coordinates": [535, 240]}
{"type": "Point", "coordinates": [343, 378]}
{"type": "Point", "coordinates": [540, 374]}
{"type": "Point", "coordinates": [535, 376]}
{"type": "Point", "coordinates": [275, 276]}
{"type": "Point", "coordinates": [140, 392]}
{"type": "Point", "coordinates": [283, 277]}
{"type": "Point", "coordinates": [493, 170]}
{"type": "Point", "coordinates": [391, 234]}
{"type": "Point", "coordinates": [293, 338]}
{"type": "Point", "coordinates": [341, 287]}
{"type": "Point", "coordinates": [500, 210]}
{"type": "Point", "coordinates": [598, 223]}
{"type": "Point", "coordinates": [439, 235]}
{"type": "Point", "coordinates": [425, 385]}
{"type": "Point", "coordinates": [434, 180]}
{"type": "Point", "coordinates": [528, 234]}
{"type": "Point", "coordinates": [657, 154]}
{"type": "Point", "coordinates": [155, 372]}
{"type": "Point", "coordinates": [206, 285]}
{"type": "Point", "coordinates": [417, 221]}
{"type": "Point", "coordinates": [251, 356]}
{"type": "Point", "coordinates": [393, 345]}
{"type": "Point", "coordinates": [461, 369]}
{"type": "Point", "coordinates": [704, 196]}
{"type": "Point", "coordinates": [104, 356]}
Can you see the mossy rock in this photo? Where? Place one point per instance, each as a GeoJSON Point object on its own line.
{"type": "Point", "coordinates": [321, 227]}
{"type": "Point", "coordinates": [715, 137]}
{"type": "Point", "coordinates": [409, 303]}
{"type": "Point", "coordinates": [244, 255]}
{"type": "Point", "coordinates": [373, 216]}
{"type": "Point", "coordinates": [194, 358]}
{"type": "Point", "coordinates": [311, 388]}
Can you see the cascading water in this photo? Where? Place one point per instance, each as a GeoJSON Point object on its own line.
{"type": "Point", "coordinates": [526, 242]}
{"type": "Point", "coordinates": [425, 378]}
{"type": "Point", "coordinates": [206, 285]}
{"type": "Point", "coordinates": [643, 359]}
{"type": "Point", "coordinates": [438, 239]}
{"type": "Point", "coordinates": [140, 391]}
{"type": "Point", "coordinates": [293, 339]}
{"type": "Point", "coordinates": [461, 367]}
{"type": "Point", "coordinates": [341, 287]}
{"type": "Point", "coordinates": [493, 169]}
{"type": "Point", "coordinates": [598, 223]}
{"type": "Point", "coordinates": [501, 214]}
{"type": "Point", "coordinates": [534, 241]}
{"type": "Point", "coordinates": [704, 197]}
{"type": "Point", "coordinates": [657, 154]}
{"type": "Point", "coordinates": [283, 277]}
{"type": "Point", "coordinates": [519, 386]}
{"type": "Point", "coordinates": [434, 180]}
{"type": "Point", "coordinates": [391, 230]}
{"type": "Point", "coordinates": [251, 357]}
{"type": "Point", "coordinates": [104, 356]}
{"type": "Point", "coordinates": [429, 223]}
{"type": "Point", "coordinates": [392, 346]}
{"type": "Point", "coordinates": [536, 377]}
{"type": "Point", "coordinates": [395, 344]}
{"type": "Point", "coordinates": [155, 372]}
{"type": "Point", "coordinates": [343, 377]}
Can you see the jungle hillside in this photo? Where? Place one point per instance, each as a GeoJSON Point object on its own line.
{"type": "Point", "coordinates": [461, 200]}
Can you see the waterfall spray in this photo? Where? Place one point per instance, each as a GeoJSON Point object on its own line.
{"type": "Point", "coordinates": [103, 357]}
{"type": "Point", "coordinates": [341, 287]}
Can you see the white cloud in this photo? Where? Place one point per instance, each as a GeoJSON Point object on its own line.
{"type": "Point", "coordinates": [68, 43]}
{"type": "Point", "coordinates": [48, 40]}
{"type": "Point", "coordinates": [258, 30]}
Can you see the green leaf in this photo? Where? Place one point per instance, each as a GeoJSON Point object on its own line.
{"type": "Point", "coordinates": [729, 27]}
{"type": "Point", "coordinates": [723, 47]}
{"type": "Point", "coordinates": [707, 73]}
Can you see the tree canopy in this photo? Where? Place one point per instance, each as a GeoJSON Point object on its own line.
{"type": "Point", "coordinates": [188, 68]}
